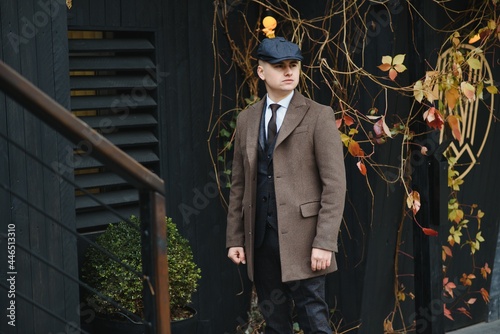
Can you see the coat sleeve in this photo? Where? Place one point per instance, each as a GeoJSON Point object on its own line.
{"type": "Point", "coordinates": [235, 231]}
{"type": "Point", "coordinates": [330, 163]}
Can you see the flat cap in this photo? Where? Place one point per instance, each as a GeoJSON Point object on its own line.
{"type": "Point", "coordinates": [274, 50]}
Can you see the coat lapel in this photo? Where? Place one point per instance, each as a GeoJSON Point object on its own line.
{"type": "Point", "coordinates": [294, 115]}
{"type": "Point", "coordinates": [253, 128]}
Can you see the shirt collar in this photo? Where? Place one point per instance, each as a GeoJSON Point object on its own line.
{"type": "Point", "coordinates": [284, 102]}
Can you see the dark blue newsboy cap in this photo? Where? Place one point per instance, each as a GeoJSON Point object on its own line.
{"type": "Point", "coordinates": [274, 50]}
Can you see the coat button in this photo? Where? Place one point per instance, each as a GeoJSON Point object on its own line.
{"type": "Point", "coordinates": [264, 199]}
{"type": "Point", "coordinates": [269, 176]}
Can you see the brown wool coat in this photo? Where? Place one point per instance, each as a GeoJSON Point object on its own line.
{"type": "Point", "coordinates": [309, 179]}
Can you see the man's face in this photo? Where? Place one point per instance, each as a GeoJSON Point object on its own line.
{"type": "Point", "coordinates": [280, 78]}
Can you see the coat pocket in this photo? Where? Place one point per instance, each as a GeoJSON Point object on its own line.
{"type": "Point", "coordinates": [310, 209]}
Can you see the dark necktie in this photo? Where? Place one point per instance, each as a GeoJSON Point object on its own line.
{"type": "Point", "coordinates": [271, 127]}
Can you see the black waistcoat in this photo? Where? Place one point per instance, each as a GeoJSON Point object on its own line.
{"type": "Point", "coordinates": [265, 215]}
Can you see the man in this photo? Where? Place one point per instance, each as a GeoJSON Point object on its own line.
{"type": "Point", "coordinates": [287, 195]}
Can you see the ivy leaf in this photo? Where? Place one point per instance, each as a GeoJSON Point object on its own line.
{"type": "Point", "coordinates": [452, 95]}
{"type": "Point", "coordinates": [393, 74]}
{"type": "Point", "coordinates": [492, 89]}
{"type": "Point", "coordinates": [447, 313]}
{"type": "Point", "coordinates": [446, 252]}
{"type": "Point", "coordinates": [355, 149]}
{"type": "Point", "coordinates": [430, 232]}
{"type": "Point", "coordinates": [433, 118]}
{"type": "Point", "coordinates": [418, 92]}
{"type": "Point", "coordinates": [474, 63]}
{"type": "Point", "coordinates": [467, 279]}
{"type": "Point", "coordinates": [485, 271]}
{"type": "Point", "coordinates": [398, 59]}
{"type": "Point", "coordinates": [453, 122]}
{"type": "Point", "coordinates": [448, 286]}
{"type": "Point", "coordinates": [463, 310]}
{"type": "Point", "coordinates": [413, 202]}
{"type": "Point", "coordinates": [454, 236]}
{"type": "Point", "coordinates": [485, 295]}
{"type": "Point", "coordinates": [361, 167]}
{"type": "Point", "coordinates": [468, 90]}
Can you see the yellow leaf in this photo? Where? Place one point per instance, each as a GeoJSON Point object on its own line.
{"type": "Point", "coordinates": [400, 68]}
{"type": "Point", "coordinates": [474, 39]}
{"type": "Point", "coordinates": [398, 59]}
{"type": "Point", "coordinates": [479, 237]}
{"type": "Point", "coordinates": [387, 60]}
{"type": "Point", "coordinates": [345, 139]}
{"type": "Point", "coordinates": [492, 25]}
{"type": "Point", "coordinates": [452, 95]}
{"type": "Point", "coordinates": [474, 63]}
{"type": "Point", "coordinates": [355, 149]}
{"type": "Point", "coordinates": [492, 89]}
{"type": "Point", "coordinates": [418, 92]}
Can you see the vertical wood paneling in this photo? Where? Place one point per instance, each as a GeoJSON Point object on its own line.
{"type": "Point", "coordinates": [113, 13]}
{"type": "Point", "coordinates": [31, 22]}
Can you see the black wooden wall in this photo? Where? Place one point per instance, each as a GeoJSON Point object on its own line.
{"type": "Point", "coordinates": [32, 197]}
{"type": "Point", "coordinates": [362, 290]}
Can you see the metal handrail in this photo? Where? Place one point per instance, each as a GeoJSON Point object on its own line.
{"type": "Point", "coordinates": [151, 189]}
{"type": "Point", "coordinates": [59, 118]}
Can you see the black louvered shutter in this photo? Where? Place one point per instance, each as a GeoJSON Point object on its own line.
{"type": "Point", "coordinates": [113, 89]}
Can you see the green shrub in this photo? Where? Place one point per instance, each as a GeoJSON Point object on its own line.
{"type": "Point", "coordinates": [124, 287]}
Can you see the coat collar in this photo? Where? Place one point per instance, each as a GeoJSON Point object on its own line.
{"type": "Point", "coordinates": [294, 115]}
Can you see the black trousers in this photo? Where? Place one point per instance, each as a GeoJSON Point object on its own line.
{"type": "Point", "coordinates": [277, 299]}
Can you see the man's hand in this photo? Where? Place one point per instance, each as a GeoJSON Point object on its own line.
{"type": "Point", "coordinates": [237, 255]}
{"type": "Point", "coordinates": [320, 259]}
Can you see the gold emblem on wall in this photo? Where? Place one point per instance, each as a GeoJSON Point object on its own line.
{"type": "Point", "coordinates": [476, 116]}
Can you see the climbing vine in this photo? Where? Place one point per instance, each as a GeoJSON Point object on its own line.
{"type": "Point", "coordinates": [340, 68]}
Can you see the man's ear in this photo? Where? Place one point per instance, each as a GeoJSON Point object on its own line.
{"type": "Point", "coordinates": [260, 72]}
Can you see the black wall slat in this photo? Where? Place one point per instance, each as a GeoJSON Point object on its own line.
{"type": "Point", "coordinates": [110, 63]}
{"type": "Point", "coordinates": [112, 82]}
{"type": "Point", "coordinates": [132, 120]}
{"type": "Point", "coordinates": [97, 219]}
{"type": "Point", "coordinates": [142, 156]}
{"type": "Point", "coordinates": [120, 197]}
{"type": "Point", "coordinates": [102, 45]}
{"type": "Point", "coordinates": [121, 103]}
{"type": "Point", "coordinates": [98, 179]}
{"type": "Point", "coordinates": [127, 139]}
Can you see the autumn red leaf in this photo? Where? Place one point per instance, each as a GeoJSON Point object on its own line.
{"type": "Point", "coordinates": [355, 149]}
{"type": "Point", "coordinates": [485, 295]}
{"type": "Point", "coordinates": [446, 252]}
{"type": "Point", "coordinates": [430, 232]}
{"type": "Point", "coordinates": [447, 313]}
{"type": "Point", "coordinates": [361, 167]}
{"type": "Point", "coordinates": [467, 279]}
{"type": "Point", "coordinates": [393, 74]}
{"type": "Point", "coordinates": [433, 118]}
{"type": "Point", "coordinates": [448, 286]}
{"type": "Point", "coordinates": [454, 123]}
{"type": "Point", "coordinates": [463, 310]}
{"type": "Point", "coordinates": [348, 120]}
{"type": "Point", "coordinates": [485, 270]}
{"type": "Point", "coordinates": [338, 121]}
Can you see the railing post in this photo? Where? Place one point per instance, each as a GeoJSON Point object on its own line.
{"type": "Point", "coordinates": [154, 262]}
